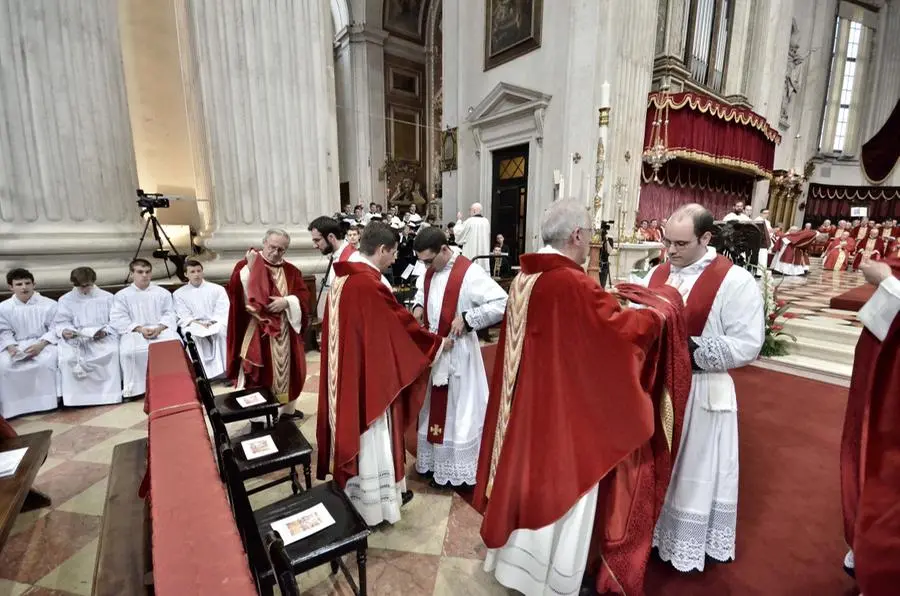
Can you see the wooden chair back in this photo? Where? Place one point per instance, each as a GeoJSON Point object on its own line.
{"type": "Point", "coordinates": [281, 564]}
{"type": "Point", "coordinates": [243, 514]}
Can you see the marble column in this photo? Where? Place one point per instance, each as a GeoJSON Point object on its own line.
{"type": "Point", "coordinates": [67, 168]}
{"type": "Point", "coordinates": [359, 68]}
{"type": "Point", "coordinates": [632, 71]}
{"type": "Point", "coordinates": [259, 81]}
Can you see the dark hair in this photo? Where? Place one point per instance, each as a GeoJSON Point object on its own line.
{"type": "Point", "coordinates": [700, 216]}
{"type": "Point", "coordinates": [374, 235]}
{"type": "Point", "coordinates": [82, 276]}
{"type": "Point", "coordinates": [192, 263]}
{"type": "Point", "coordinates": [136, 262]}
{"type": "Point", "coordinates": [644, 221]}
{"type": "Point", "coordinates": [17, 274]}
{"type": "Point", "coordinates": [373, 204]}
{"type": "Point", "coordinates": [430, 238]}
{"type": "Point", "coordinates": [451, 225]}
{"type": "Point", "coordinates": [326, 225]}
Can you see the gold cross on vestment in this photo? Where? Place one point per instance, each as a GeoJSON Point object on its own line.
{"type": "Point", "coordinates": [435, 430]}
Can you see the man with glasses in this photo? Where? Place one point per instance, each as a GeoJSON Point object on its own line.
{"type": "Point", "coordinates": [266, 323]}
{"type": "Point", "coordinates": [373, 350]}
{"type": "Point", "coordinates": [724, 313]}
{"type": "Point", "coordinates": [453, 299]}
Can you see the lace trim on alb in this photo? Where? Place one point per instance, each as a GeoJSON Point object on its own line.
{"type": "Point", "coordinates": [713, 354]}
{"type": "Point", "coordinates": [456, 463]}
{"type": "Point", "coordinates": [685, 539]}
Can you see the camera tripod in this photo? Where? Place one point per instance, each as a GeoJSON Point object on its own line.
{"type": "Point", "coordinates": [161, 252]}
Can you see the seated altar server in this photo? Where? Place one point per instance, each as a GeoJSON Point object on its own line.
{"type": "Point", "coordinates": [202, 310]}
{"type": "Point", "coordinates": [453, 299]}
{"type": "Point", "coordinates": [89, 350]}
{"type": "Point", "coordinates": [29, 380]}
{"type": "Point", "coordinates": [141, 314]}
{"type": "Point", "coordinates": [724, 309]}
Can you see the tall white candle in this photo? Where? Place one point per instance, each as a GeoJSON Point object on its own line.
{"type": "Point", "coordinates": [604, 94]}
{"type": "Point", "coordinates": [562, 189]}
{"type": "Point", "coordinates": [571, 172]}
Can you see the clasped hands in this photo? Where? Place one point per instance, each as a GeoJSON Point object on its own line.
{"type": "Point", "coordinates": [31, 351]}
{"type": "Point", "coordinates": [69, 334]}
{"type": "Point", "coordinates": [150, 332]}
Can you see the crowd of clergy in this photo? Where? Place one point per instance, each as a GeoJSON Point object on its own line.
{"type": "Point", "coordinates": [654, 405]}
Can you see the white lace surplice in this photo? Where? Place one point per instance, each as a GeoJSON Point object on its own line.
{"type": "Point", "coordinates": [699, 517]}
{"type": "Point", "coordinates": [133, 308]}
{"type": "Point", "coordinates": [484, 302]}
{"type": "Point", "coordinates": [32, 384]}
{"type": "Point", "coordinates": [206, 303]}
{"type": "Point", "coordinates": [89, 368]}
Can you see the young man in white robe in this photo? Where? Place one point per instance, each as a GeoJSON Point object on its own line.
{"type": "Point", "coordinates": [458, 301]}
{"type": "Point", "coordinates": [474, 235]}
{"type": "Point", "coordinates": [699, 517]}
{"type": "Point", "coordinates": [142, 314]}
{"type": "Point", "coordinates": [29, 379]}
{"type": "Point", "coordinates": [202, 310]}
{"type": "Point", "coordinates": [89, 345]}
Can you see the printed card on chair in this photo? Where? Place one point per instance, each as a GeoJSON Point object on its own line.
{"type": "Point", "coordinates": [259, 447]}
{"type": "Point", "coordinates": [10, 460]}
{"type": "Point", "coordinates": [250, 400]}
{"type": "Point", "coordinates": [303, 524]}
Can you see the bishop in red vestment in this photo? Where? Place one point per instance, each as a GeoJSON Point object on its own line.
{"type": "Point", "coordinates": [870, 248]}
{"type": "Point", "coordinates": [566, 383]}
{"type": "Point", "coordinates": [266, 323]}
{"type": "Point", "coordinates": [373, 352]}
{"type": "Point", "coordinates": [839, 252]}
{"type": "Point", "coordinates": [870, 447]}
{"type": "Point", "coordinates": [792, 257]}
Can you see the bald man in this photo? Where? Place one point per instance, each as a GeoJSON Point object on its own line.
{"type": "Point", "coordinates": [474, 236]}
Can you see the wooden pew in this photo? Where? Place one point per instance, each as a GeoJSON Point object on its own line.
{"type": "Point", "coordinates": [123, 555]}
{"type": "Point", "coordinates": [16, 490]}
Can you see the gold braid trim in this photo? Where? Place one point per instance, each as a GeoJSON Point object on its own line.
{"type": "Point", "coordinates": [516, 319]}
{"type": "Point", "coordinates": [707, 105]}
{"type": "Point", "coordinates": [280, 346]}
{"type": "Point", "coordinates": [719, 160]}
{"type": "Point", "coordinates": [667, 416]}
{"type": "Point", "coordinates": [334, 301]}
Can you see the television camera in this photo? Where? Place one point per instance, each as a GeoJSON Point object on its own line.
{"type": "Point", "coordinates": [149, 203]}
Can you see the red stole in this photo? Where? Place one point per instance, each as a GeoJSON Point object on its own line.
{"type": "Point", "coordinates": [702, 295]}
{"type": "Point", "coordinates": [437, 415]}
{"type": "Point", "coordinates": [345, 254]}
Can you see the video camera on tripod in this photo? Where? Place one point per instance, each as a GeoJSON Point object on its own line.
{"type": "Point", "coordinates": [149, 203]}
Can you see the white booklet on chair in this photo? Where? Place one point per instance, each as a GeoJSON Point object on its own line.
{"type": "Point", "coordinates": [259, 447]}
{"type": "Point", "coordinates": [10, 460]}
{"type": "Point", "coordinates": [303, 524]}
{"type": "Point", "coordinates": [250, 400]}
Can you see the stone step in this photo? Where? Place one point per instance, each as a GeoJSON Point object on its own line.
{"type": "Point", "coordinates": [827, 352]}
{"type": "Point", "coordinates": [821, 329]}
{"type": "Point", "coordinates": [813, 368]}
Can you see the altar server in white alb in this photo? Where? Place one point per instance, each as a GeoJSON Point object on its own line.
{"type": "Point", "coordinates": [29, 379]}
{"type": "Point", "coordinates": [453, 299]}
{"type": "Point", "coordinates": [142, 314]}
{"type": "Point", "coordinates": [202, 310]}
{"type": "Point", "coordinates": [724, 311]}
{"type": "Point", "coordinates": [89, 345]}
{"type": "Point", "coordinates": [474, 235]}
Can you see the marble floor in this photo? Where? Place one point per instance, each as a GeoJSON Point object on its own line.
{"type": "Point", "coordinates": [435, 549]}
{"type": "Point", "coordinates": [809, 295]}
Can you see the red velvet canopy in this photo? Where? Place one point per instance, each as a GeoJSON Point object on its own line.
{"type": "Point", "coordinates": [881, 153]}
{"type": "Point", "coordinates": [683, 182]}
{"type": "Point", "coordinates": [835, 201]}
{"type": "Point", "coordinates": [706, 131]}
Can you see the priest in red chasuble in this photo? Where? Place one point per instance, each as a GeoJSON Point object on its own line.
{"type": "Point", "coordinates": [556, 425]}
{"type": "Point", "coordinates": [453, 299]}
{"type": "Point", "coordinates": [792, 256]}
{"type": "Point", "coordinates": [373, 351]}
{"type": "Point", "coordinates": [266, 323]}
{"type": "Point", "coordinates": [870, 446]}
{"type": "Point", "coordinates": [839, 252]}
{"type": "Point", "coordinates": [871, 248]}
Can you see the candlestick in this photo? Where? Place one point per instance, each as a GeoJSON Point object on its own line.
{"type": "Point", "coordinates": [604, 94]}
{"type": "Point", "coordinates": [571, 172]}
{"type": "Point", "coordinates": [562, 189]}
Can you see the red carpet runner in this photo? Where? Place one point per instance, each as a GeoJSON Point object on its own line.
{"type": "Point", "coordinates": [789, 536]}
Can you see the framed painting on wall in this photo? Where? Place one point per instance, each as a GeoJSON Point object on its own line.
{"type": "Point", "coordinates": [512, 28]}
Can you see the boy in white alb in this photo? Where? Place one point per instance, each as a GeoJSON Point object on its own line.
{"type": "Point", "coordinates": [202, 310]}
{"type": "Point", "coordinates": [29, 380]}
{"type": "Point", "coordinates": [88, 346]}
{"type": "Point", "coordinates": [141, 314]}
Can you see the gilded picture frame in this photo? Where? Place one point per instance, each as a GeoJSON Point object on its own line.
{"type": "Point", "coordinates": [512, 28]}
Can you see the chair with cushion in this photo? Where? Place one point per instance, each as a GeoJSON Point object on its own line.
{"type": "Point", "coordinates": [293, 450]}
{"type": "Point", "coordinates": [226, 404]}
{"type": "Point", "coordinates": [349, 533]}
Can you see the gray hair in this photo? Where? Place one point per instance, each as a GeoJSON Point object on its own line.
{"type": "Point", "coordinates": [276, 232]}
{"type": "Point", "coordinates": [562, 218]}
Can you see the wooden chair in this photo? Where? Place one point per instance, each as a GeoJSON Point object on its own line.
{"type": "Point", "coordinates": [281, 564]}
{"type": "Point", "coordinates": [226, 404]}
{"type": "Point", "coordinates": [293, 450]}
{"type": "Point", "coordinates": [348, 534]}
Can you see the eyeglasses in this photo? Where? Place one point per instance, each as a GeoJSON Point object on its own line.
{"type": "Point", "coordinates": [679, 244]}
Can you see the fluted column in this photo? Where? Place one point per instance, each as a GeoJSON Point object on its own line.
{"type": "Point", "coordinates": [67, 170]}
{"type": "Point", "coordinates": [632, 69]}
{"type": "Point", "coordinates": [259, 81]}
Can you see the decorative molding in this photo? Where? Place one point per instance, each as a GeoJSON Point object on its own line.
{"type": "Point", "coordinates": [509, 102]}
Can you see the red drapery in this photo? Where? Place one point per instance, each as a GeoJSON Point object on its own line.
{"type": "Point", "coordinates": [834, 202]}
{"type": "Point", "coordinates": [685, 182]}
{"type": "Point", "coordinates": [706, 131]}
{"type": "Point", "coordinates": [881, 153]}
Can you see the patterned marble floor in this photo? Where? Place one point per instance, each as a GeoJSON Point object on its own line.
{"type": "Point", "coordinates": [809, 295]}
{"type": "Point", "coordinates": [436, 548]}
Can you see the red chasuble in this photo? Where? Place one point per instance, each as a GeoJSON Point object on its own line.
{"type": "Point", "coordinates": [566, 403]}
{"type": "Point", "coordinates": [870, 247]}
{"type": "Point", "coordinates": [373, 350]}
{"type": "Point", "coordinates": [870, 461]}
{"type": "Point", "coordinates": [632, 495]}
{"type": "Point", "coordinates": [796, 252]}
{"type": "Point", "coordinates": [259, 343]}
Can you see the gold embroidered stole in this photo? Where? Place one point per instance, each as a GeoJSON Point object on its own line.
{"type": "Point", "coordinates": [281, 345]}
{"type": "Point", "coordinates": [334, 302]}
{"type": "Point", "coordinates": [516, 320]}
